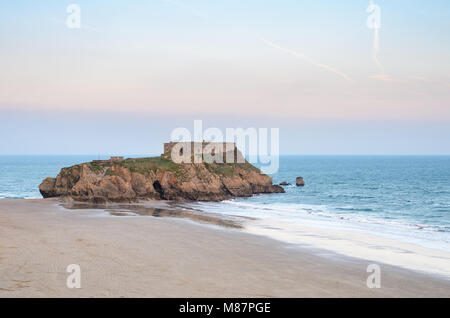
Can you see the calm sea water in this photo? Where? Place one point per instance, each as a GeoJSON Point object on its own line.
{"type": "Point", "coordinates": [403, 196]}
{"type": "Point", "coordinates": [20, 176]}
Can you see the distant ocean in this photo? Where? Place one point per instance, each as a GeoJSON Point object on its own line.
{"type": "Point", "coordinates": [406, 192]}
{"type": "Point", "coordinates": [401, 198]}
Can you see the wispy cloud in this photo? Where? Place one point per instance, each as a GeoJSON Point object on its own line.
{"type": "Point", "coordinates": [82, 26]}
{"type": "Point", "coordinates": [382, 76]}
{"type": "Point", "coordinates": [306, 58]}
{"type": "Point", "coordinates": [427, 80]}
{"type": "Point", "coordinates": [188, 8]}
{"type": "Point", "coordinates": [376, 49]}
{"type": "Point", "coordinates": [267, 42]}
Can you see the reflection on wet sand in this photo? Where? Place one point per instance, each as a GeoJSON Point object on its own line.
{"type": "Point", "coordinates": [173, 211]}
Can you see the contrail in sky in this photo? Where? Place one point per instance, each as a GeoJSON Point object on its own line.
{"type": "Point", "coordinates": [376, 49]}
{"type": "Point", "coordinates": [307, 59]}
{"type": "Point", "coordinates": [188, 8]}
{"type": "Point", "coordinates": [267, 42]}
{"type": "Point", "coordinates": [376, 37]}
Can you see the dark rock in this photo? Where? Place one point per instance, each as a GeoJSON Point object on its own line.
{"type": "Point", "coordinates": [157, 178]}
{"type": "Point", "coordinates": [299, 182]}
{"type": "Point", "coordinates": [284, 183]}
{"type": "Point", "coordinates": [47, 188]}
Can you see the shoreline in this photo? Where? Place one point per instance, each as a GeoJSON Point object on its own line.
{"type": "Point", "coordinates": [365, 244]}
{"type": "Point", "coordinates": [380, 243]}
{"type": "Point", "coordinates": [169, 257]}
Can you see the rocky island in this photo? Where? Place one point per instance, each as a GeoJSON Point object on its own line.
{"type": "Point", "coordinates": [133, 179]}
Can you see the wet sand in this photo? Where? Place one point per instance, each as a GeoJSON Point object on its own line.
{"type": "Point", "coordinates": [144, 256]}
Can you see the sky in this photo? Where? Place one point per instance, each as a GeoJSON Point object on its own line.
{"type": "Point", "coordinates": [136, 70]}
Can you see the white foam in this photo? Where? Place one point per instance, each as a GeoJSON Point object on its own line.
{"type": "Point", "coordinates": [411, 246]}
{"type": "Point", "coordinates": [367, 246]}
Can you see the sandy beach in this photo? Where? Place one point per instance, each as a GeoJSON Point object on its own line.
{"type": "Point", "coordinates": [172, 257]}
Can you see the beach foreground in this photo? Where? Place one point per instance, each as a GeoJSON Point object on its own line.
{"type": "Point", "coordinates": [167, 257]}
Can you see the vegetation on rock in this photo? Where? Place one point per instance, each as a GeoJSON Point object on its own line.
{"type": "Point", "coordinates": [157, 178]}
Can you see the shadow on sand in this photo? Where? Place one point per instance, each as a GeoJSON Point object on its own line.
{"type": "Point", "coordinates": [173, 211]}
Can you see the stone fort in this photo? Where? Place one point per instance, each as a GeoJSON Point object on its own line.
{"type": "Point", "coordinates": [211, 148]}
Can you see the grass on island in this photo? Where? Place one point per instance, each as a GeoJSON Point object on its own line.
{"type": "Point", "coordinates": [67, 173]}
{"type": "Point", "coordinates": [96, 167]}
{"type": "Point", "coordinates": [145, 166]}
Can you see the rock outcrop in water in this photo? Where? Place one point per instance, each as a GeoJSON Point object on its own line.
{"type": "Point", "coordinates": [299, 182]}
{"type": "Point", "coordinates": [160, 178]}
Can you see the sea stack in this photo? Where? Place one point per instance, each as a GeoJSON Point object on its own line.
{"type": "Point", "coordinates": [133, 179]}
{"type": "Point", "coordinates": [299, 182]}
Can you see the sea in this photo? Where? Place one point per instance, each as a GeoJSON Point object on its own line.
{"type": "Point", "coordinates": [385, 209]}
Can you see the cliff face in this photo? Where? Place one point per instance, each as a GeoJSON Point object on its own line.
{"type": "Point", "coordinates": [157, 178]}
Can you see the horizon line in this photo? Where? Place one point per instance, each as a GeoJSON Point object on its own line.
{"type": "Point", "coordinates": [312, 154]}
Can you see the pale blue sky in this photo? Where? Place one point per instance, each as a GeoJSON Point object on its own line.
{"type": "Point", "coordinates": [306, 67]}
